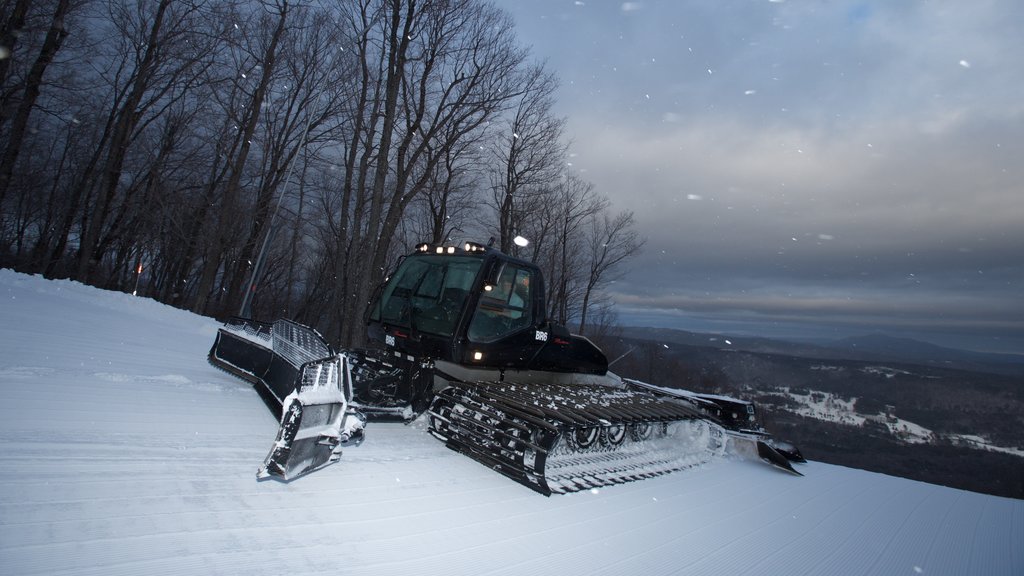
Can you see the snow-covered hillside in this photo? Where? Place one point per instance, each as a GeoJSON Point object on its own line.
{"type": "Point", "coordinates": [828, 407]}
{"type": "Point", "coordinates": [126, 453]}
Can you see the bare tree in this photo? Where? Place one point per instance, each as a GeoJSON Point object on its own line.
{"type": "Point", "coordinates": [449, 203]}
{"type": "Point", "coordinates": [156, 70]}
{"type": "Point", "coordinates": [54, 38]}
{"type": "Point", "coordinates": [306, 103]}
{"type": "Point", "coordinates": [530, 155]}
{"type": "Point", "coordinates": [571, 205]}
{"type": "Point", "coordinates": [265, 60]}
{"type": "Point", "coordinates": [610, 240]}
{"type": "Point", "coordinates": [13, 18]}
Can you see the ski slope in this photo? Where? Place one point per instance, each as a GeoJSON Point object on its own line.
{"type": "Point", "coordinates": [126, 453]}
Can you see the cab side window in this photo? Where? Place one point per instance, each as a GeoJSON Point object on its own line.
{"type": "Point", "coordinates": [505, 307]}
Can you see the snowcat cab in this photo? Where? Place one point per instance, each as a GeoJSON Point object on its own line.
{"type": "Point", "coordinates": [479, 308]}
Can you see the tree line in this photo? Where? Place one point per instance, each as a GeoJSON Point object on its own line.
{"type": "Point", "coordinates": [174, 147]}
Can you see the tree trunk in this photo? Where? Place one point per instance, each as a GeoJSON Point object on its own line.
{"type": "Point", "coordinates": [231, 189]}
{"type": "Point", "coordinates": [399, 37]}
{"type": "Point", "coordinates": [54, 38]}
{"type": "Point", "coordinates": [126, 122]}
{"type": "Point", "coordinates": [8, 38]}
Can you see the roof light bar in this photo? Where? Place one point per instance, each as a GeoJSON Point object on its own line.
{"type": "Point", "coordinates": [471, 247]}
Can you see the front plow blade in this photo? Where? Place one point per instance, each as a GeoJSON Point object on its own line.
{"type": "Point", "coordinates": [775, 458]}
{"type": "Point", "coordinates": [755, 447]}
{"type": "Point", "coordinates": [315, 422]}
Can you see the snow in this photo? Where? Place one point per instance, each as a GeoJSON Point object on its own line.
{"type": "Point", "coordinates": [824, 406]}
{"type": "Point", "coordinates": [982, 443]}
{"type": "Point", "coordinates": [126, 453]}
{"type": "Point", "coordinates": [829, 407]}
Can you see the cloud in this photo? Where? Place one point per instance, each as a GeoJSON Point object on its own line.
{"type": "Point", "coordinates": [892, 312]}
{"type": "Point", "coordinates": [917, 231]}
{"type": "Point", "coordinates": [906, 188]}
{"type": "Point", "coordinates": [842, 154]}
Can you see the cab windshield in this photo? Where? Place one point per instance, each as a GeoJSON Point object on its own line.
{"type": "Point", "coordinates": [427, 293]}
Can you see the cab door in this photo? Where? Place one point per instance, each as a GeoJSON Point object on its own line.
{"type": "Point", "coordinates": [504, 307]}
{"type": "Point", "coordinates": [502, 332]}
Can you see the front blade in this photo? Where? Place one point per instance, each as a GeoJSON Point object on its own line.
{"type": "Point", "coordinates": [775, 458]}
{"type": "Point", "coordinates": [307, 439]}
{"type": "Point", "coordinates": [789, 450]}
{"type": "Point", "coordinates": [754, 447]}
{"type": "Point", "coordinates": [315, 421]}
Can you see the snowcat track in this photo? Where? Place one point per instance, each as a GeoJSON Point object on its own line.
{"type": "Point", "coordinates": [565, 438]}
{"type": "Point", "coordinates": [746, 435]}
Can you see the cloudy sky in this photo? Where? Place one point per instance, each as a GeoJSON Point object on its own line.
{"type": "Point", "coordinates": [804, 168]}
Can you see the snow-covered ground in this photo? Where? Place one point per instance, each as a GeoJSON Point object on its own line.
{"type": "Point", "coordinates": [824, 406]}
{"type": "Point", "coordinates": [982, 443]}
{"type": "Point", "coordinates": [126, 453]}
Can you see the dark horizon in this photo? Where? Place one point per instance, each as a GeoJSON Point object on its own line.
{"type": "Point", "coordinates": [806, 333]}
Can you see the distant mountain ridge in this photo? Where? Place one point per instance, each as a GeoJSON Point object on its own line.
{"type": "Point", "coordinates": [908, 348]}
{"type": "Point", "coordinates": [871, 347]}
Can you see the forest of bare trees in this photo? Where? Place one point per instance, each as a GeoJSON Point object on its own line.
{"type": "Point", "coordinates": [174, 147]}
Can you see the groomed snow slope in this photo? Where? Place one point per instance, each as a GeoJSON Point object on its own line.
{"type": "Point", "coordinates": [126, 453]}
